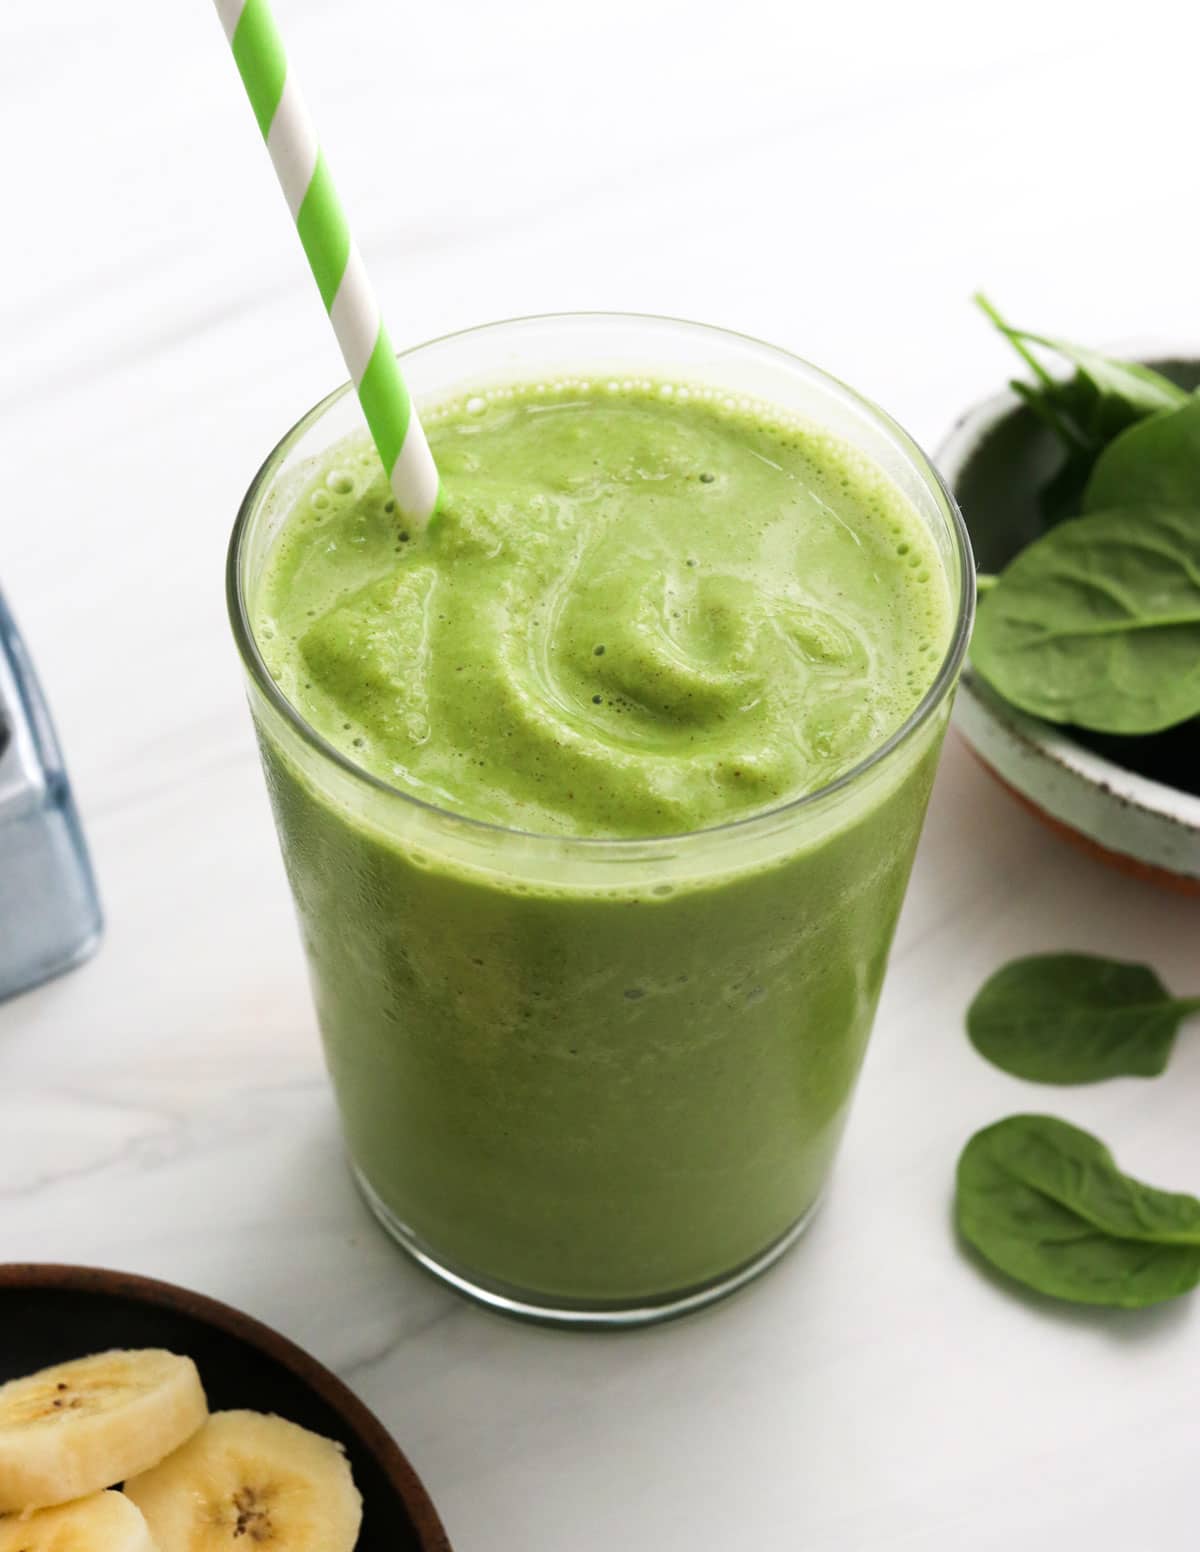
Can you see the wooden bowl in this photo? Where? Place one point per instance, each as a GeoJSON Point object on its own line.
{"type": "Point", "coordinates": [994, 461]}
{"type": "Point", "coordinates": [49, 1314]}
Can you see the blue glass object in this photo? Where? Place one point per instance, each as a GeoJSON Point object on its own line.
{"type": "Point", "coordinates": [50, 917]}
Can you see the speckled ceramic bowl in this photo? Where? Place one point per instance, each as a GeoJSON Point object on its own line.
{"type": "Point", "coordinates": [995, 461]}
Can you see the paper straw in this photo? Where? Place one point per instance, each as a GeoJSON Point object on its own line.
{"type": "Point", "coordinates": [333, 255]}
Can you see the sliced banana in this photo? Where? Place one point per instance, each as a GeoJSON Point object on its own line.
{"type": "Point", "coordinates": [104, 1522]}
{"type": "Point", "coordinates": [85, 1425]}
{"type": "Point", "coordinates": [247, 1479]}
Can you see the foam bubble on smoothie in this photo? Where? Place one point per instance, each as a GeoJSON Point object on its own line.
{"type": "Point", "coordinates": [644, 608]}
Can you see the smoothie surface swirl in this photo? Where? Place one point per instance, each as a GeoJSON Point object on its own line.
{"type": "Point", "coordinates": [639, 611]}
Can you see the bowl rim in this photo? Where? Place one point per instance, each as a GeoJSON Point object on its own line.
{"type": "Point", "coordinates": [1126, 787]}
{"type": "Point", "coordinates": [65, 1277]}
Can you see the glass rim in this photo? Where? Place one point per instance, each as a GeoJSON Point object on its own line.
{"type": "Point", "coordinates": [942, 682]}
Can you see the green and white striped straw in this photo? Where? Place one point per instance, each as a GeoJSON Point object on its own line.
{"type": "Point", "coordinates": [333, 255]}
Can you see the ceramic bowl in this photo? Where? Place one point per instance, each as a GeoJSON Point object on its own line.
{"type": "Point", "coordinates": [49, 1314]}
{"type": "Point", "coordinates": [995, 461]}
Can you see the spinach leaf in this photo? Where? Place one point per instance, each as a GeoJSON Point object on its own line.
{"type": "Point", "coordinates": [1085, 411]}
{"type": "Point", "coordinates": [1084, 422]}
{"type": "Point", "coordinates": [1097, 623]}
{"type": "Point", "coordinates": [1121, 391]}
{"type": "Point", "coordinates": [1156, 463]}
{"type": "Point", "coordinates": [1045, 1203]}
{"type": "Point", "coordinates": [1075, 1018]}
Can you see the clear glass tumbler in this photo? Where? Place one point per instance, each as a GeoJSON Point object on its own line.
{"type": "Point", "coordinates": [596, 1081]}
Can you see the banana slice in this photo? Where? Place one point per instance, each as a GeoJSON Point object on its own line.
{"type": "Point", "coordinates": [247, 1479]}
{"type": "Point", "coordinates": [105, 1522]}
{"type": "Point", "coordinates": [82, 1426]}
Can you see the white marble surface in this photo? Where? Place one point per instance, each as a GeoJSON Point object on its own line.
{"type": "Point", "coordinates": [836, 179]}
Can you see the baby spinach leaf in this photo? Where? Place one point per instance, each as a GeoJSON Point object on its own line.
{"type": "Point", "coordinates": [1097, 623]}
{"type": "Point", "coordinates": [1083, 422]}
{"type": "Point", "coordinates": [1123, 390]}
{"type": "Point", "coordinates": [1138, 390]}
{"type": "Point", "coordinates": [1045, 1203]}
{"type": "Point", "coordinates": [1076, 1018]}
{"type": "Point", "coordinates": [1086, 411]}
{"type": "Point", "coordinates": [1155, 463]}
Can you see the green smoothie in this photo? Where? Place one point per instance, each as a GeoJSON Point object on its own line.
{"type": "Point", "coordinates": [641, 611]}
